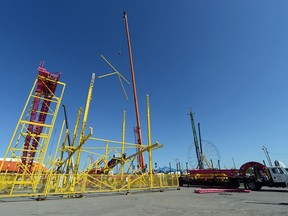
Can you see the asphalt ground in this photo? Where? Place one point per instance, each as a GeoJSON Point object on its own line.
{"type": "Point", "coordinates": [168, 203]}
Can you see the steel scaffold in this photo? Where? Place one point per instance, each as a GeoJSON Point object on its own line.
{"type": "Point", "coordinates": [111, 170]}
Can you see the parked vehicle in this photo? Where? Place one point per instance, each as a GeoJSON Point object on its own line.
{"type": "Point", "coordinates": [262, 176]}
{"type": "Point", "coordinates": [253, 175]}
{"type": "Point", "coordinates": [210, 177]}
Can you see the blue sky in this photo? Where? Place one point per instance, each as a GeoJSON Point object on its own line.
{"type": "Point", "coordinates": [225, 59]}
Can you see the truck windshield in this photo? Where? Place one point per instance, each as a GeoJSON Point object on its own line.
{"type": "Point", "coordinates": [285, 171]}
{"type": "Point", "coordinates": [279, 170]}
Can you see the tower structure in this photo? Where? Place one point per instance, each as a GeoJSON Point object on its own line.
{"type": "Point", "coordinates": [29, 142]}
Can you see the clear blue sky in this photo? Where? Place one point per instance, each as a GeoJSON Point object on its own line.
{"type": "Point", "coordinates": [225, 59]}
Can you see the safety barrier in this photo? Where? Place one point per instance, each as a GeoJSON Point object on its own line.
{"type": "Point", "coordinates": [20, 185]}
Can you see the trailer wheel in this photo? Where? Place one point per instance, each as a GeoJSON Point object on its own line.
{"type": "Point", "coordinates": [254, 186]}
{"type": "Point", "coordinates": [233, 183]}
{"type": "Point", "coordinates": [180, 179]}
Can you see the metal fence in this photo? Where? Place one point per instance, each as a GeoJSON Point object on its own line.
{"type": "Point", "coordinates": [20, 185]}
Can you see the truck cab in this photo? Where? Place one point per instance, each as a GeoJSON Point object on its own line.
{"type": "Point", "coordinates": [266, 176]}
{"type": "Point", "coordinates": [278, 175]}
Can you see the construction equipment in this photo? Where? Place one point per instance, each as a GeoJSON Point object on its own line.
{"type": "Point", "coordinates": [62, 178]}
{"type": "Point", "coordinates": [138, 127]}
{"type": "Point", "coordinates": [261, 175]}
{"type": "Point", "coordinates": [198, 149]}
{"type": "Point", "coordinates": [30, 139]}
{"type": "Point", "coordinates": [66, 176]}
{"type": "Point", "coordinates": [203, 154]}
{"type": "Point", "coordinates": [253, 175]}
{"type": "Point", "coordinates": [211, 177]}
{"type": "Point", "coordinates": [71, 149]}
{"type": "Point", "coordinates": [205, 173]}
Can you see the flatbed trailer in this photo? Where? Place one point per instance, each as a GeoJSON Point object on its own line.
{"type": "Point", "coordinates": [211, 177]}
{"type": "Point", "coordinates": [259, 176]}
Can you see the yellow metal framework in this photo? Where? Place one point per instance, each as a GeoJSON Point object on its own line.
{"type": "Point", "coordinates": [15, 149]}
{"type": "Point", "coordinates": [73, 185]}
{"type": "Point", "coordinates": [27, 177]}
{"type": "Point", "coordinates": [112, 170]}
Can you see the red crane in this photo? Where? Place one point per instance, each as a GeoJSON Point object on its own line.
{"type": "Point", "coordinates": [138, 128]}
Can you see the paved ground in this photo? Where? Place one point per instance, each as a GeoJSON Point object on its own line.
{"type": "Point", "coordinates": [168, 203]}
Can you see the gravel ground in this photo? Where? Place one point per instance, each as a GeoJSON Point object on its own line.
{"type": "Point", "coordinates": [169, 203]}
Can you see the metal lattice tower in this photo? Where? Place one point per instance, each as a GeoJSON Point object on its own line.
{"type": "Point", "coordinates": [32, 134]}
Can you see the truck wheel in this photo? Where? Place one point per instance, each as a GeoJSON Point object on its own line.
{"type": "Point", "coordinates": [254, 186]}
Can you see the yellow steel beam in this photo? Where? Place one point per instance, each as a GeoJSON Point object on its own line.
{"type": "Point", "coordinates": [123, 139]}
{"type": "Point", "coordinates": [114, 141]}
{"type": "Point", "coordinates": [85, 117]}
{"type": "Point", "coordinates": [149, 140]}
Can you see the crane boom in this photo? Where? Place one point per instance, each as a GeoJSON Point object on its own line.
{"type": "Point", "coordinates": [82, 138]}
{"type": "Point", "coordinates": [138, 128]}
{"type": "Point", "coordinates": [198, 153]}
